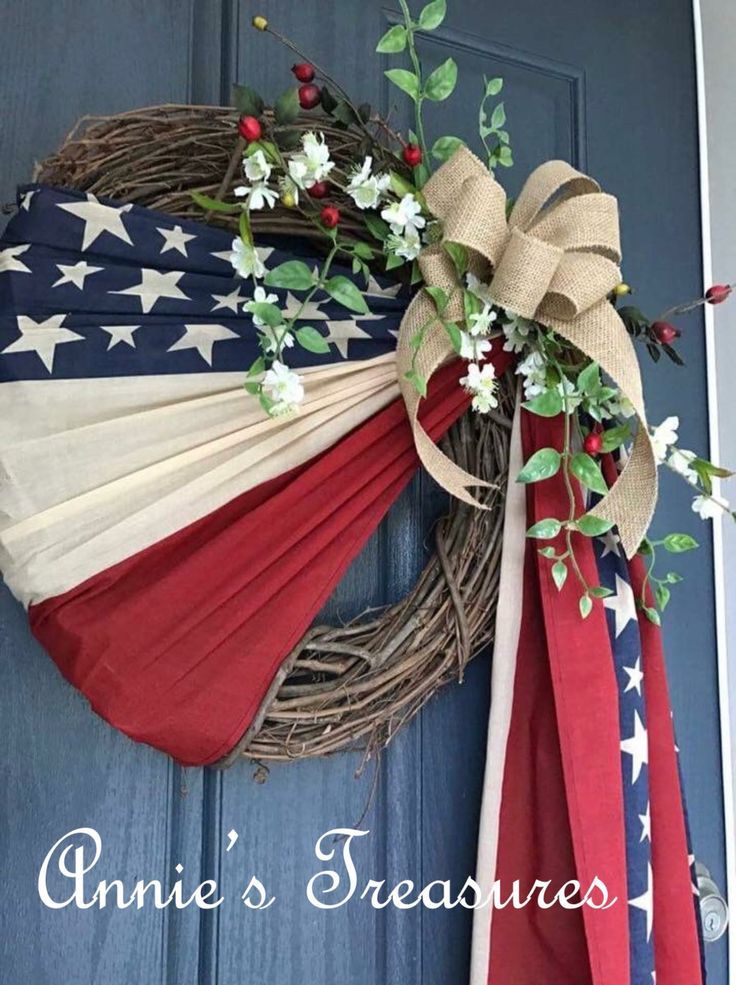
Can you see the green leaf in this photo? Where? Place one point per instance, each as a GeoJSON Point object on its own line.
{"type": "Point", "coordinates": [588, 471]}
{"type": "Point", "coordinates": [547, 404]}
{"type": "Point", "coordinates": [294, 275]}
{"type": "Point", "coordinates": [600, 592]}
{"type": "Point", "coordinates": [347, 294]}
{"type": "Point", "coordinates": [585, 605]}
{"type": "Point", "coordinates": [542, 465]}
{"type": "Point", "coordinates": [493, 86]}
{"type": "Point", "coordinates": [376, 226]}
{"type": "Point", "coordinates": [472, 305]}
{"type": "Point", "coordinates": [343, 112]}
{"type": "Point", "coordinates": [459, 256]}
{"type": "Point", "coordinates": [213, 204]}
{"type": "Point", "coordinates": [662, 595]}
{"type": "Point", "coordinates": [455, 336]}
{"type": "Point", "coordinates": [652, 615]}
{"type": "Point", "coordinates": [268, 313]}
{"type": "Point", "coordinates": [417, 381]}
{"type": "Point", "coordinates": [394, 260]}
{"type": "Point", "coordinates": [592, 526]}
{"type": "Point", "coordinates": [679, 543]}
{"type": "Point", "coordinates": [404, 80]}
{"type": "Point", "coordinates": [286, 107]}
{"type": "Point", "coordinates": [614, 437]}
{"type": "Point", "coordinates": [309, 338]}
{"type": "Point", "coordinates": [438, 296]}
{"type": "Point", "coordinates": [589, 379]}
{"type": "Point", "coordinates": [545, 529]}
{"type": "Point", "coordinates": [498, 117]}
{"type": "Point", "coordinates": [252, 388]}
{"type": "Point", "coordinates": [673, 578]}
{"type": "Point", "coordinates": [400, 186]}
{"type": "Point", "coordinates": [444, 147]}
{"type": "Point", "coordinates": [257, 367]}
{"type": "Point", "coordinates": [393, 41]}
{"type": "Point", "coordinates": [559, 574]}
{"type": "Point", "coordinates": [547, 551]}
{"type": "Point", "coordinates": [505, 157]}
{"type": "Point", "coordinates": [432, 15]}
{"type": "Point", "coordinates": [442, 81]}
{"type": "Point", "coordinates": [246, 100]}
{"type": "Point", "coordinates": [363, 250]}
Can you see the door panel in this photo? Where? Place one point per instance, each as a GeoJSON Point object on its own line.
{"type": "Point", "coordinates": [612, 90]}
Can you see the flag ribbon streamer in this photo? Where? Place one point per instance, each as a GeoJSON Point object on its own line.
{"type": "Point", "coordinates": [554, 260]}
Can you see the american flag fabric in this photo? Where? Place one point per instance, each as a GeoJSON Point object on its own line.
{"type": "Point", "coordinates": [171, 541]}
{"type": "Point", "coordinates": [582, 779]}
{"type": "Point", "coordinates": [172, 544]}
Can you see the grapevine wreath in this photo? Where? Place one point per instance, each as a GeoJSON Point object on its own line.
{"type": "Point", "coordinates": [318, 166]}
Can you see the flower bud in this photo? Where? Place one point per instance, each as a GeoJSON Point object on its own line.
{"type": "Point", "coordinates": [259, 23]}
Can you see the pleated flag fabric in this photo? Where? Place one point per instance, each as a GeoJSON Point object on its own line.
{"type": "Point", "coordinates": [171, 541]}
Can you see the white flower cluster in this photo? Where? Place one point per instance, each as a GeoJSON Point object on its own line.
{"type": "Point", "coordinates": [405, 219]}
{"type": "Point", "coordinates": [257, 194]}
{"type": "Point", "coordinates": [365, 188]}
{"type": "Point", "coordinates": [312, 163]}
{"type": "Point", "coordinates": [664, 440]}
{"type": "Point", "coordinates": [474, 344]}
{"type": "Point", "coordinates": [284, 388]}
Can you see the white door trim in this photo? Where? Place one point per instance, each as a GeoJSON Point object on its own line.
{"type": "Point", "coordinates": [719, 560]}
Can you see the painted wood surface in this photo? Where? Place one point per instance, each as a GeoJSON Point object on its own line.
{"type": "Point", "coordinates": [609, 87]}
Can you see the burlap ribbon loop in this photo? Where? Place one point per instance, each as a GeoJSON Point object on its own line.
{"type": "Point", "coordinates": [554, 261]}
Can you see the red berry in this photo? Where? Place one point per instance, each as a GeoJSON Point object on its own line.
{"type": "Point", "coordinates": [309, 96]}
{"type": "Point", "coordinates": [717, 293]}
{"type": "Point", "coordinates": [303, 71]}
{"type": "Point", "coordinates": [412, 154]}
{"type": "Point", "coordinates": [249, 128]}
{"type": "Point", "coordinates": [319, 189]}
{"type": "Point", "coordinates": [593, 443]}
{"type": "Point", "coordinates": [664, 332]}
{"type": "Point", "coordinates": [330, 216]}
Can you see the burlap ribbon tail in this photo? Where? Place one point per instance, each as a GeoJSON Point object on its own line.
{"type": "Point", "coordinates": [555, 261]}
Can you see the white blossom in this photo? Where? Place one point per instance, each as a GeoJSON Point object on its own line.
{"type": "Point", "coordinates": [709, 507]}
{"type": "Point", "coordinates": [313, 163]}
{"type": "Point", "coordinates": [256, 167]}
{"type": "Point", "coordinates": [245, 259]}
{"type": "Point", "coordinates": [680, 461]}
{"type": "Point", "coordinates": [516, 332]}
{"type": "Point", "coordinates": [473, 348]}
{"type": "Point", "coordinates": [478, 288]}
{"type": "Point", "coordinates": [259, 297]}
{"type": "Point", "coordinates": [534, 371]}
{"type": "Point", "coordinates": [283, 388]}
{"type": "Point", "coordinates": [664, 435]}
{"type": "Point", "coordinates": [407, 246]}
{"type": "Point", "coordinates": [481, 321]}
{"type": "Point", "coordinates": [365, 188]}
{"type": "Point", "coordinates": [481, 382]}
{"type": "Point", "coordinates": [257, 196]}
{"type": "Point", "coordinates": [404, 216]}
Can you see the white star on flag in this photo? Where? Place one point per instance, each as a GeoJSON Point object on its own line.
{"type": "Point", "coordinates": [310, 312]}
{"type": "Point", "coordinates": [646, 824]}
{"type": "Point", "coordinates": [645, 902]}
{"type": "Point", "coordinates": [27, 198]}
{"type": "Point", "coordinates": [9, 259]}
{"type": "Point", "coordinates": [42, 338]}
{"type": "Point", "coordinates": [154, 285]}
{"type": "Point", "coordinates": [374, 289]}
{"type": "Point", "coordinates": [175, 239]}
{"type": "Point", "coordinates": [120, 333]}
{"type": "Point", "coordinates": [342, 332]}
{"type": "Point", "coordinates": [636, 676]}
{"type": "Point", "coordinates": [610, 542]}
{"type": "Point", "coordinates": [622, 604]}
{"type": "Point", "coordinates": [74, 273]}
{"type": "Point", "coordinates": [230, 301]}
{"type": "Point", "coordinates": [98, 219]}
{"type": "Point", "coordinates": [637, 747]}
{"type": "Point", "coordinates": [202, 338]}
{"type": "Point", "coordinates": [264, 252]}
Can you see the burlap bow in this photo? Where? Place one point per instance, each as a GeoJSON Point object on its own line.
{"type": "Point", "coordinates": [555, 260]}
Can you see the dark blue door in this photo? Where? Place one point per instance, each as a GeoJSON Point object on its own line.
{"type": "Point", "coordinates": [610, 87]}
